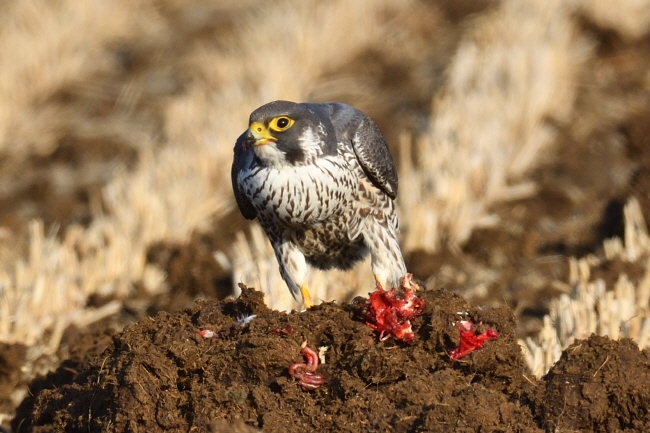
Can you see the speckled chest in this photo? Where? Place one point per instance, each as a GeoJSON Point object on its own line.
{"type": "Point", "coordinates": [304, 195]}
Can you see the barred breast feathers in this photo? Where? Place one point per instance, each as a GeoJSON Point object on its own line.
{"type": "Point", "coordinates": [300, 194]}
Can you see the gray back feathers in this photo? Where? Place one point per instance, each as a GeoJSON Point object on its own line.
{"type": "Point", "coordinates": [367, 141]}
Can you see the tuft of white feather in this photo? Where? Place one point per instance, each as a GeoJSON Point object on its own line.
{"type": "Point", "coordinates": [243, 320]}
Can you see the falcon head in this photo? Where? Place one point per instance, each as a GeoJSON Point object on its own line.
{"type": "Point", "coordinates": [286, 133]}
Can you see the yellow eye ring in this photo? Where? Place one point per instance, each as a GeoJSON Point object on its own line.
{"type": "Point", "coordinates": [281, 123]}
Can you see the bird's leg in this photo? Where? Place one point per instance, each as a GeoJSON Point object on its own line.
{"type": "Point", "coordinates": [294, 271]}
{"type": "Point", "coordinates": [386, 258]}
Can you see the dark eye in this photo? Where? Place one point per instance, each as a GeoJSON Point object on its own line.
{"type": "Point", "coordinates": [281, 123]}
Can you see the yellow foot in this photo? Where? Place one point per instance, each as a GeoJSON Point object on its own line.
{"type": "Point", "coordinates": [380, 282]}
{"type": "Point", "coordinates": [306, 297]}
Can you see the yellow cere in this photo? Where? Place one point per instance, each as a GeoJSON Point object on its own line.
{"type": "Point", "coordinates": [258, 129]}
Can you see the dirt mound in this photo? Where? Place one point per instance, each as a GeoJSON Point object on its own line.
{"type": "Point", "coordinates": [598, 385]}
{"type": "Point", "coordinates": [160, 375]}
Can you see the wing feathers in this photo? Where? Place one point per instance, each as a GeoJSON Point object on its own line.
{"type": "Point", "coordinates": [368, 143]}
{"type": "Point", "coordinates": [240, 161]}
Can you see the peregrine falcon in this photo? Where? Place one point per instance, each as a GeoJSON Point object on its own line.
{"type": "Point", "coordinates": [321, 181]}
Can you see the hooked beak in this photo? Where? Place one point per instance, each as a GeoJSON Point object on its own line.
{"type": "Point", "coordinates": [259, 134]}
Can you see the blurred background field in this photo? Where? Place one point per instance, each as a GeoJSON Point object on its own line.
{"type": "Point", "coordinates": [520, 128]}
